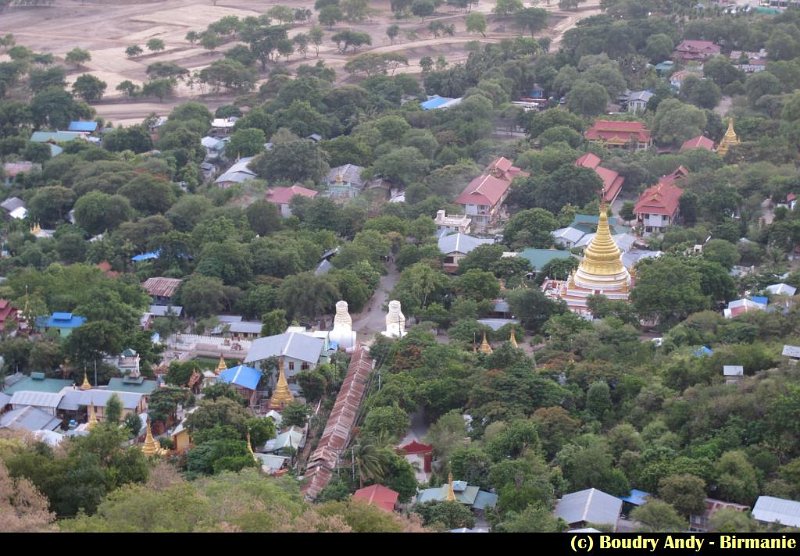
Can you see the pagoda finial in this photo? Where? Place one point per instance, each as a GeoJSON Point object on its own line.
{"type": "Point", "coordinates": [485, 347]}
{"type": "Point", "coordinates": [86, 384]}
{"type": "Point", "coordinates": [451, 493]}
{"type": "Point", "coordinates": [250, 446]}
{"type": "Point", "coordinates": [282, 395]}
{"type": "Point", "coordinates": [728, 140]}
{"type": "Point", "coordinates": [221, 366]}
{"type": "Point", "coordinates": [92, 417]}
{"type": "Point", "coordinates": [513, 339]}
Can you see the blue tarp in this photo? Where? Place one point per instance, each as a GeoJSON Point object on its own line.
{"type": "Point", "coordinates": [146, 256]}
{"type": "Point", "coordinates": [703, 351]}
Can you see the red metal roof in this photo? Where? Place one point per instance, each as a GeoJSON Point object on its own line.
{"type": "Point", "coordinates": [608, 130]}
{"type": "Point", "coordinates": [699, 142]}
{"type": "Point", "coordinates": [283, 195]}
{"type": "Point", "coordinates": [416, 447]}
{"type": "Point", "coordinates": [662, 198]}
{"type": "Point", "coordinates": [489, 188]}
{"type": "Point", "coordinates": [612, 181]}
{"type": "Point", "coordinates": [377, 495]}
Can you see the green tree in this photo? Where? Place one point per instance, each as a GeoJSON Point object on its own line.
{"type": "Point", "coordinates": [113, 411]}
{"type": "Point", "coordinates": [530, 228]}
{"type": "Point", "coordinates": [445, 515]}
{"type": "Point", "coordinates": [293, 161]}
{"type": "Point", "coordinates": [676, 122]}
{"type": "Point", "coordinates": [507, 7]}
{"type": "Point", "coordinates": [330, 16]}
{"type": "Point", "coordinates": [201, 296]}
{"type": "Point", "coordinates": [736, 478]}
{"type": "Point", "coordinates": [89, 87]}
{"type": "Point", "coordinates": [295, 413]}
{"type": "Point", "coordinates": [392, 31]}
{"type": "Point", "coordinates": [133, 51]}
{"type": "Point", "coordinates": [423, 8]}
{"type": "Point", "coordinates": [388, 421]}
{"type": "Point", "coordinates": [77, 56]}
{"type": "Point", "coordinates": [658, 516]}
{"type": "Point", "coordinates": [685, 492]}
{"type": "Point", "coordinates": [155, 45]}
{"type": "Point", "coordinates": [50, 205]}
{"type": "Point", "coordinates": [659, 47]}
{"type": "Point", "coordinates": [535, 518]}
{"type": "Point", "coordinates": [316, 35]}
{"type": "Point", "coordinates": [530, 19]}
{"type": "Point", "coordinates": [587, 99]}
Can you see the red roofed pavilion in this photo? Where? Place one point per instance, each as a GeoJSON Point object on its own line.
{"type": "Point", "coordinates": [483, 198]}
{"type": "Point", "coordinates": [699, 142]}
{"type": "Point", "coordinates": [612, 181]}
{"type": "Point", "coordinates": [625, 135]}
{"type": "Point", "coordinates": [658, 207]}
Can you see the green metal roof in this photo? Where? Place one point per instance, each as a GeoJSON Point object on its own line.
{"type": "Point", "coordinates": [540, 257]}
{"type": "Point", "coordinates": [146, 387]}
{"type": "Point", "coordinates": [51, 385]}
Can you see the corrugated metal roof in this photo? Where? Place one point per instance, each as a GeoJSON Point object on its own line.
{"type": "Point", "coordinates": [461, 243]}
{"type": "Point", "coordinates": [770, 509]}
{"type": "Point", "coordinates": [82, 126]}
{"type": "Point", "coordinates": [74, 399]}
{"type": "Point", "coordinates": [29, 418]}
{"type": "Point", "coordinates": [37, 399]}
{"type": "Point", "coordinates": [296, 345]}
{"type": "Point", "coordinates": [733, 370]}
{"type": "Point", "coordinates": [161, 287]}
{"type": "Point", "coordinates": [246, 377]}
{"type": "Point", "coordinates": [589, 505]}
{"type": "Point", "coordinates": [4, 400]}
{"type": "Point", "coordinates": [788, 351]}
{"type": "Point", "coordinates": [781, 289]}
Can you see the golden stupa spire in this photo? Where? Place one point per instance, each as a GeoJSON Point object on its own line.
{"type": "Point", "coordinates": [602, 257]}
{"type": "Point", "coordinates": [451, 493]}
{"type": "Point", "coordinates": [250, 447]}
{"type": "Point", "coordinates": [150, 446]}
{"type": "Point", "coordinates": [282, 395]}
{"type": "Point", "coordinates": [485, 347]}
{"type": "Point", "coordinates": [35, 229]}
{"type": "Point", "coordinates": [221, 366]}
{"type": "Point", "coordinates": [513, 339]}
{"type": "Point", "coordinates": [728, 140]}
{"type": "Point", "coordinates": [92, 417]}
{"type": "Point", "coordinates": [86, 384]}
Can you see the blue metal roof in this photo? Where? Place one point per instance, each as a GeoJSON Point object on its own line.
{"type": "Point", "coordinates": [703, 351]}
{"type": "Point", "coordinates": [82, 126]}
{"type": "Point", "coordinates": [761, 300]}
{"type": "Point", "coordinates": [636, 497]}
{"type": "Point", "coordinates": [241, 375]}
{"type": "Point", "coordinates": [64, 320]}
{"type": "Point", "coordinates": [434, 102]}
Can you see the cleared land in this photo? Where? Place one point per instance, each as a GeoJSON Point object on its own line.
{"type": "Point", "coordinates": [106, 29]}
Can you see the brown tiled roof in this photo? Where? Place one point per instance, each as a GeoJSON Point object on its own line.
{"type": "Point", "coordinates": [161, 287]}
{"type": "Point", "coordinates": [607, 130]}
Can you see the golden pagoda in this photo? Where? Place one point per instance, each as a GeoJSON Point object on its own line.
{"type": "Point", "coordinates": [86, 384]}
{"type": "Point", "coordinates": [600, 272]}
{"type": "Point", "coordinates": [513, 339]}
{"type": "Point", "coordinates": [282, 395]}
{"type": "Point", "coordinates": [728, 140]}
{"type": "Point", "coordinates": [451, 493]}
{"type": "Point", "coordinates": [150, 446]}
{"type": "Point", "coordinates": [92, 417]}
{"type": "Point", "coordinates": [221, 366]}
{"type": "Point", "coordinates": [36, 229]}
{"type": "Point", "coordinates": [485, 347]}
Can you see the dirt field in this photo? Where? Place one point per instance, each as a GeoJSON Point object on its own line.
{"type": "Point", "coordinates": [106, 28]}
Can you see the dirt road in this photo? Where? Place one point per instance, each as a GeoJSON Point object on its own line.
{"type": "Point", "coordinates": [373, 319]}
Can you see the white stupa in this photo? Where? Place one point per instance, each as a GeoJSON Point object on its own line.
{"type": "Point", "coordinates": [395, 321]}
{"type": "Point", "coordinates": [342, 332]}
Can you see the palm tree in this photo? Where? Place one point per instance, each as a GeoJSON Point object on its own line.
{"type": "Point", "coordinates": [369, 461]}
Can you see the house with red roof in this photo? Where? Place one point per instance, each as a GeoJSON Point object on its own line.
{"type": "Point", "coordinates": [612, 181]}
{"type": "Point", "coordinates": [658, 207]}
{"type": "Point", "coordinates": [282, 196]}
{"type": "Point", "coordinates": [695, 51]}
{"type": "Point", "coordinates": [483, 198]}
{"type": "Point", "coordinates": [699, 142]}
{"type": "Point", "coordinates": [8, 314]}
{"type": "Point", "coordinates": [377, 495]}
{"type": "Point", "coordinates": [617, 134]}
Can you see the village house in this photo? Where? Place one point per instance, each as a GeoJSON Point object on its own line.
{"type": "Point", "coordinates": [699, 142]}
{"type": "Point", "coordinates": [80, 126]}
{"type": "Point", "coordinates": [378, 496]}
{"type": "Point", "coordinates": [749, 62]}
{"type": "Point", "coordinates": [695, 51]}
{"type": "Point", "coordinates": [239, 172]}
{"type": "Point", "coordinates": [244, 380]}
{"type": "Point", "coordinates": [436, 102]}
{"type": "Point", "coordinates": [741, 306]}
{"type": "Point", "coordinates": [162, 290]}
{"type": "Point", "coordinates": [296, 351]}
{"type": "Point", "coordinates": [63, 323]}
{"type": "Point", "coordinates": [771, 510]}
{"type": "Point", "coordinates": [636, 101]}
{"type": "Point", "coordinates": [222, 127]}
{"type": "Point", "coordinates": [612, 181]}
{"type": "Point", "coordinates": [13, 169]}
{"type": "Point", "coordinates": [618, 134]}
{"type": "Point", "coordinates": [75, 402]}
{"type": "Point", "coordinates": [483, 198]}
{"type": "Point", "coordinates": [29, 418]}
{"type": "Point", "coordinates": [9, 316]}
{"type": "Point", "coordinates": [344, 182]}
{"type": "Point", "coordinates": [701, 522]}
{"type": "Point", "coordinates": [459, 491]}
{"type": "Point", "coordinates": [658, 207]}
{"type": "Point", "coordinates": [733, 373]}
{"type": "Point", "coordinates": [457, 246]}
{"type": "Point", "coordinates": [282, 196]}
{"type": "Point", "coordinates": [453, 224]}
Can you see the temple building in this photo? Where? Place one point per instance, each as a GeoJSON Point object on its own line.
{"type": "Point", "coordinates": [601, 272]}
{"type": "Point", "coordinates": [730, 139]}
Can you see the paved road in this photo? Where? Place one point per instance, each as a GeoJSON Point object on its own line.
{"type": "Point", "coordinates": [373, 318]}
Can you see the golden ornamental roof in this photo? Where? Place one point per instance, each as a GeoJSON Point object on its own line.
{"type": "Point", "coordinates": [92, 417]}
{"type": "Point", "coordinates": [221, 366]}
{"type": "Point", "coordinates": [513, 339]}
{"type": "Point", "coordinates": [485, 347]}
{"type": "Point", "coordinates": [451, 494]}
{"type": "Point", "coordinates": [602, 257]}
{"type": "Point", "coordinates": [728, 140]}
{"type": "Point", "coordinates": [86, 384]}
{"type": "Point", "coordinates": [150, 446]}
